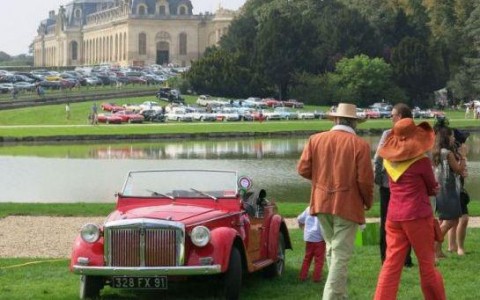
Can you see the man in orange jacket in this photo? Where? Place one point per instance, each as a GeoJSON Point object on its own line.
{"type": "Point", "coordinates": [339, 166]}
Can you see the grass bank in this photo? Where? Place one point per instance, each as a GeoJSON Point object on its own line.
{"type": "Point", "coordinates": [25, 279]}
{"type": "Point", "coordinates": [287, 210]}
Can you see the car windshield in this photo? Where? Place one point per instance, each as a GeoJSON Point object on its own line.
{"type": "Point", "coordinates": [181, 184]}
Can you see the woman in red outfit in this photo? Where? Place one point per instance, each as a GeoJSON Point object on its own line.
{"type": "Point", "coordinates": [410, 220]}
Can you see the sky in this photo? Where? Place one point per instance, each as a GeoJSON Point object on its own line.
{"type": "Point", "coordinates": [19, 19]}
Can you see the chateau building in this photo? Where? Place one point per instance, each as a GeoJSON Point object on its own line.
{"type": "Point", "coordinates": [127, 32]}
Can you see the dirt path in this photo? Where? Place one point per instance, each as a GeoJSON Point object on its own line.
{"type": "Point", "coordinates": [52, 237]}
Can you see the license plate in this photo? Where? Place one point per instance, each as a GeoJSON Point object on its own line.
{"type": "Point", "coordinates": [158, 282]}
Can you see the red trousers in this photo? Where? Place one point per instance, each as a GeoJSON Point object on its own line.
{"type": "Point", "coordinates": [313, 250]}
{"type": "Point", "coordinates": [400, 236]}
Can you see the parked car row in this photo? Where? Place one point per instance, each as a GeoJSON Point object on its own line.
{"type": "Point", "coordinates": [152, 111]}
{"type": "Point", "coordinates": [384, 111]}
{"type": "Point", "coordinates": [251, 102]}
{"type": "Point", "coordinates": [427, 113]}
{"type": "Point", "coordinates": [83, 76]}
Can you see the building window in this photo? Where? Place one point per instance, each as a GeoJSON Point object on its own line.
{"type": "Point", "coordinates": [78, 13]}
{"type": "Point", "coordinates": [142, 44]}
{"type": "Point", "coordinates": [162, 11]}
{"type": "Point", "coordinates": [124, 46]}
{"type": "Point", "coordinates": [74, 46]}
{"type": "Point", "coordinates": [142, 10]}
{"type": "Point", "coordinates": [182, 10]}
{"type": "Point", "coordinates": [183, 43]}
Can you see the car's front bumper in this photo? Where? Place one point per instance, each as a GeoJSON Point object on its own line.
{"type": "Point", "coordinates": [146, 271]}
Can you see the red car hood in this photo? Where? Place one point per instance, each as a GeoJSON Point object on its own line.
{"type": "Point", "coordinates": [187, 214]}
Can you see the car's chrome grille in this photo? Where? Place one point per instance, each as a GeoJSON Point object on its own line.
{"type": "Point", "coordinates": [144, 243]}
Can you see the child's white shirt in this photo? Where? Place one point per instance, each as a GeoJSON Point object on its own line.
{"type": "Point", "coordinates": [313, 230]}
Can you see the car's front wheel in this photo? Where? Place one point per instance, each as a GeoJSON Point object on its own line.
{"type": "Point", "coordinates": [90, 287]}
{"type": "Point", "coordinates": [232, 279]}
{"type": "Point", "coordinates": [276, 269]}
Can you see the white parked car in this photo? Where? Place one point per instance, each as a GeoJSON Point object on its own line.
{"type": "Point", "coordinates": [132, 107]}
{"type": "Point", "coordinates": [306, 115]}
{"type": "Point", "coordinates": [205, 100]}
{"type": "Point", "coordinates": [201, 114]}
{"type": "Point", "coordinates": [179, 114]}
{"type": "Point", "coordinates": [254, 102]}
{"type": "Point", "coordinates": [150, 105]}
{"type": "Point", "coordinates": [286, 113]}
{"type": "Point", "coordinates": [227, 114]}
{"type": "Point", "coordinates": [361, 113]}
{"type": "Point", "coordinates": [271, 115]}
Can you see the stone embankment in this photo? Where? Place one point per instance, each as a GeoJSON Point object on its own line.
{"type": "Point", "coordinates": [52, 237]}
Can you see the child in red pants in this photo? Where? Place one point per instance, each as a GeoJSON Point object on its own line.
{"type": "Point", "coordinates": [314, 245]}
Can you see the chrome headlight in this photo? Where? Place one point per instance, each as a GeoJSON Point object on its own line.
{"type": "Point", "coordinates": [200, 236]}
{"type": "Point", "coordinates": [90, 233]}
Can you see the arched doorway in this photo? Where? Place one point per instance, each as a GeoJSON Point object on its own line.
{"type": "Point", "coordinates": [163, 53]}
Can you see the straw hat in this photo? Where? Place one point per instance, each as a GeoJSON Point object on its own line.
{"type": "Point", "coordinates": [407, 140]}
{"type": "Point", "coordinates": [345, 110]}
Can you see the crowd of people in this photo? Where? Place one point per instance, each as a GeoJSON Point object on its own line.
{"type": "Point", "coordinates": [419, 169]}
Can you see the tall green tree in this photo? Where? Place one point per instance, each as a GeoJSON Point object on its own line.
{"type": "Point", "coordinates": [464, 73]}
{"type": "Point", "coordinates": [280, 44]}
{"type": "Point", "coordinates": [219, 73]}
{"type": "Point", "coordinates": [413, 70]}
{"type": "Point", "coordinates": [4, 56]}
{"type": "Point", "coordinates": [466, 83]}
{"type": "Point", "coordinates": [363, 81]}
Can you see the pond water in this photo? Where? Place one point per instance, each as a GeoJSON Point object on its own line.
{"type": "Point", "coordinates": [95, 172]}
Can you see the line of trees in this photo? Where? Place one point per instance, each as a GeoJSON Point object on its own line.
{"type": "Point", "coordinates": [19, 60]}
{"type": "Point", "coordinates": [358, 51]}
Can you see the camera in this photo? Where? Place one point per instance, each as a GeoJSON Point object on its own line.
{"type": "Point", "coordinates": [460, 136]}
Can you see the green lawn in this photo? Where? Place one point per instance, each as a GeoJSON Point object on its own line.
{"type": "Point", "coordinates": [40, 279]}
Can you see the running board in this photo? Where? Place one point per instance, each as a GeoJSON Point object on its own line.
{"type": "Point", "coordinates": [260, 264]}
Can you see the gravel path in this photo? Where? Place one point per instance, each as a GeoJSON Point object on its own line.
{"type": "Point", "coordinates": [52, 237]}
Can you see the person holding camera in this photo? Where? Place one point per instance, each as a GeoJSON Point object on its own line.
{"type": "Point", "coordinates": [456, 235]}
{"type": "Point", "coordinates": [450, 166]}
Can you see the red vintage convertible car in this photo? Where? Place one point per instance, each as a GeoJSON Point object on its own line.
{"type": "Point", "coordinates": [109, 118]}
{"type": "Point", "coordinates": [179, 225]}
{"type": "Point", "coordinates": [129, 116]}
{"type": "Point", "coordinates": [111, 107]}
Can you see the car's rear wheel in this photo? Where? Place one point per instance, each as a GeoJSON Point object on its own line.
{"type": "Point", "coordinates": [276, 269]}
{"type": "Point", "coordinates": [232, 279]}
{"type": "Point", "coordinates": [90, 287]}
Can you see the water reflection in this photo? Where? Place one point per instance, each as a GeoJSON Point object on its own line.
{"type": "Point", "coordinates": [94, 172]}
{"type": "Point", "coordinates": [252, 149]}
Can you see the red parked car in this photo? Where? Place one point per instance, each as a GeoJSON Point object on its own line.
{"type": "Point", "coordinates": [373, 113]}
{"type": "Point", "coordinates": [178, 225]}
{"type": "Point", "coordinates": [130, 116]}
{"type": "Point", "coordinates": [271, 102]}
{"type": "Point", "coordinates": [109, 118]}
{"type": "Point", "coordinates": [112, 107]}
{"type": "Point", "coordinates": [293, 103]}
